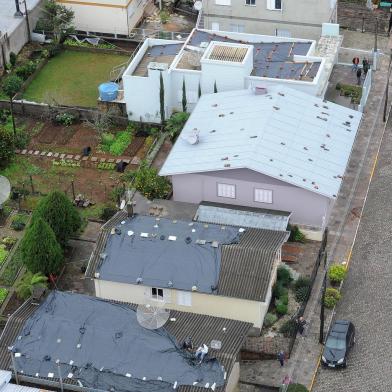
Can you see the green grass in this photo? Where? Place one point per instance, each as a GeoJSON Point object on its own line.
{"type": "Point", "coordinates": [72, 78]}
{"type": "Point", "coordinates": [3, 295]}
{"type": "Point", "coordinates": [3, 253]}
{"type": "Point", "coordinates": [116, 144]}
{"type": "Point", "coordinates": [7, 278]}
{"type": "Point", "coordinates": [19, 169]}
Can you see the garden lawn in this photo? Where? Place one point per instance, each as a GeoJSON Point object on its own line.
{"type": "Point", "coordinates": [72, 78]}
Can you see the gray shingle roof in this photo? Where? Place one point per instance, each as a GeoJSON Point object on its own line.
{"type": "Point", "coordinates": [245, 267]}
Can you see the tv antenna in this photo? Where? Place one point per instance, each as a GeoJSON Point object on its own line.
{"type": "Point", "coordinates": [152, 316]}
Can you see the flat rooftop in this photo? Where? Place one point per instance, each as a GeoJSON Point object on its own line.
{"type": "Point", "coordinates": [157, 54]}
{"type": "Point", "coordinates": [186, 255]}
{"type": "Point", "coordinates": [99, 344]}
{"type": "Point", "coordinates": [270, 59]}
{"type": "Point", "coordinates": [8, 22]}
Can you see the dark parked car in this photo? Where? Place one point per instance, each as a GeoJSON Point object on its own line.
{"type": "Point", "coordinates": [340, 340]}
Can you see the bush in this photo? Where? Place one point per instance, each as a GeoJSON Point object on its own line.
{"type": "Point", "coordinates": [165, 16]}
{"type": "Point", "coordinates": [296, 388]}
{"type": "Point", "coordinates": [53, 50]}
{"type": "Point", "coordinates": [66, 119]}
{"type": "Point", "coordinates": [284, 275]}
{"type": "Point", "coordinates": [25, 70]}
{"type": "Point", "coordinates": [150, 184]}
{"type": "Point", "coordinates": [301, 294]}
{"type": "Point", "coordinates": [3, 253]}
{"type": "Point", "coordinates": [281, 308]}
{"type": "Point", "coordinates": [302, 281]}
{"type": "Point", "coordinates": [39, 248]}
{"type": "Point", "coordinates": [121, 142]}
{"type": "Point", "coordinates": [175, 124]}
{"type": "Point", "coordinates": [270, 320]}
{"type": "Point", "coordinates": [9, 242]}
{"type": "Point", "coordinates": [13, 59]}
{"type": "Point", "coordinates": [107, 213]}
{"type": "Point", "coordinates": [279, 290]}
{"type": "Point", "coordinates": [336, 273]}
{"type": "Point", "coordinates": [101, 45]}
{"type": "Point", "coordinates": [29, 282]}
{"type": "Point", "coordinates": [332, 297]}
{"type": "Point", "coordinates": [288, 328]}
{"type": "Point", "coordinates": [284, 299]}
{"type": "Point", "coordinates": [296, 234]}
{"type": "Point", "coordinates": [6, 147]}
{"type": "Point", "coordinates": [19, 222]}
{"type": "Point", "coordinates": [22, 138]}
{"type": "Point", "coordinates": [149, 142]}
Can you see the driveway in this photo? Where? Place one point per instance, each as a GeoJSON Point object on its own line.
{"type": "Point", "coordinates": [367, 291]}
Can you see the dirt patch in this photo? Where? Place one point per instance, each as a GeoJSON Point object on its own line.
{"type": "Point", "coordinates": [135, 146]}
{"type": "Point", "coordinates": [162, 154]}
{"type": "Point", "coordinates": [13, 304]}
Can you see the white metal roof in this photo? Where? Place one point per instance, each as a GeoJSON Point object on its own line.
{"type": "Point", "coordinates": [285, 134]}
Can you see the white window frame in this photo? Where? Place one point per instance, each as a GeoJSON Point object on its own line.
{"type": "Point", "coordinates": [184, 298]}
{"type": "Point", "coordinates": [226, 3]}
{"type": "Point", "coordinates": [157, 297]}
{"type": "Point", "coordinates": [227, 191]}
{"type": "Point", "coordinates": [235, 28]}
{"type": "Point", "coordinates": [250, 3]}
{"type": "Point", "coordinates": [271, 5]}
{"type": "Point", "coordinates": [261, 195]}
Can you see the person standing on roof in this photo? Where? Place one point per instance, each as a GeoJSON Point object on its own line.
{"type": "Point", "coordinates": [201, 352]}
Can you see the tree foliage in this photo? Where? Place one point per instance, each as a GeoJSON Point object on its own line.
{"type": "Point", "coordinates": [215, 88]}
{"type": "Point", "coordinates": [40, 250]}
{"type": "Point", "coordinates": [175, 124]}
{"type": "Point", "coordinates": [60, 214]}
{"type": "Point", "coordinates": [29, 282]}
{"type": "Point", "coordinates": [162, 98]}
{"type": "Point", "coordinates": [184, 101]}
{"type": "Point", "coordinates": [57, 19]}
{"type": "Point", "coordinates": [297, 388]}
{"type": "Point", "coordinates": [12, 85]}
{"type": "Point", "coordinates": [6, 147]}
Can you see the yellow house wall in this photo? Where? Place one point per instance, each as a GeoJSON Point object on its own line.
{"type": "Point", "coordinates": [212, 305]}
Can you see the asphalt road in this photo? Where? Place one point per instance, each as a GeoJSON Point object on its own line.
{"type": "Point", "coordinates": [367, 291]}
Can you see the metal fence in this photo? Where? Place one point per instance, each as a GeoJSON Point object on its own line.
{"type": "Point", "coordinates": [140, 34]}
{"type": "Point", "coordinates": [367, 84]}
{"type": "Point", "coordinates": [301, 310]}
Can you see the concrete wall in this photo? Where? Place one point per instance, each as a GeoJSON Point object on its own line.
{"type": "Point", "coordinates": [308, 208]}
{"type": "Point", "coordinates": [234, 378]}
{"type": "Point", "coordinates": [301, 18]}
{"type": "Point", "coordinates": [107, 16]}
{"type": "Point", "coordinates": [213, 305]}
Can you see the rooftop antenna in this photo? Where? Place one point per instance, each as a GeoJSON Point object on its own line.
{"type": "Point", "coordinates": [152, 316]}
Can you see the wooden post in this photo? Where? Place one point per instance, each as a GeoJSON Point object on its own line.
{"type": "Point", "coordinates": [73, 189]}
{"type": "Point", "coordinates": [31, 184]}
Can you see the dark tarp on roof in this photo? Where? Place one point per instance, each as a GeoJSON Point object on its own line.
{"type": "Point", "coordinates": [110, 350]}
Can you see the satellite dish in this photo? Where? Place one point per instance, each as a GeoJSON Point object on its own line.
{"type": "Point", "coordinates": [198, 5]}
{"type": "Point", "coordinates": [152, 316]}
{"type": "Point", "coordinates": [5, 189]}
{"type": "Point", "coordinates": [192, 137]}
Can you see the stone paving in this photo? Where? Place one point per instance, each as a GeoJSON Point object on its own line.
{"type": "Point", "coordinates": [302, 365]}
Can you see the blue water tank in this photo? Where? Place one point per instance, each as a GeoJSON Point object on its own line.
{"type": "Point", "coordinates": [108, 91]}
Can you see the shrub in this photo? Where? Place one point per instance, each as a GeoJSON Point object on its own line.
{"type": "Point", "coordinates": [3, 253]}
{"type": "Point", "coordinates": [66, 119]}
{"type": "Point", "coordinates": [296, 388]}
{"type": "Point", "coordinates": [29, 282]}
{"type": "Point", "coordinates": [301, 294]}
{"type": "Point", "coordinates": [284, 275]}
{"type": "Point", "coordinates": [6, 147]}
{"type": "Point", "coordinates": [25, 70]}
{"type": "Point", "coordinates": [164, 16]}
{"type": "Point", "coordinates": [54, 49]}
{"type": "Point", "coordinates": [106, 166]}
{"type": "Point", "coordinates": [284, 299]}
{"type": "Point", "coordinates": [121, 142]}
{"type": "Point", "coordinates": [9, 242]}
{"type": "Point", "coordinates": [270, 320]}
{"type": "Point", "coordinates": [302, 281]}
{"type": "Point", "coordinates": [106, 140]}
{"type": "Point", "coordinates": [3, 294]}
{"type": "Point", "coordinates": [288, 328]}
{"type": "Point", "coordinates": [12, 59]}
{"type": "Point", "coordinates": [149, 142]}
{"type": "Point", "coordinates": [22, 138]}
{"type": "Point", "coordinates": [19, 222]}
{"type": "Point", "coordinates": [281, 308]}
{"type": "Point", "coordinates": [175, 124]}
{"type": "Point", "coordinates": [332, 296]}
{"type": "Point", "coordinates": [150, 184]}
{"type": "Point", "coordinates": [296, 234]}
{"type": "Point", "coordinates": [57, 210]}
{"type": "Point", "coordinates": [107, 213]}
{"type": "Point", "coordinates": [101, 45]}
{"type": "Point", "coordinates": [39, 248]}
{"type": "Point", "coordinates": [12, 85]}
{"type": "Point", "coordinates": [336, 273]}
{"type": "Point", "coordinates": [279, 290]}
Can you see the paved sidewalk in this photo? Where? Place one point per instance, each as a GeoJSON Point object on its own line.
{"type": "Point", "coordinates": [303, 364]}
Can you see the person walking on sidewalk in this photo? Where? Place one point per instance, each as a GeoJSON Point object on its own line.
{"type": "Point", "coordinates": [355, 63]}
{"type": "Point", "coordinates": [359, 74]}
{"type": "Point", "coordinates": [301, 325]}
{"type": "Point", "coordinates": [281, 357]}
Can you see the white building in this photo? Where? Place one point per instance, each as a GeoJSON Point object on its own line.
{"type": "Point", "coordinates": [117, 17]}
{"type": "Point", "coordinates": [229, 61]}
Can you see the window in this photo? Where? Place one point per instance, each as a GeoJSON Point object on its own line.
{"type": "Point", "coordinates": [236, 28]}
{"type": "Point", "coordinates": [263, 195]}
{"type": "Point", "coordinates": [274, 4]}
{"type": "Point", "coordinates": [157, 293]}
{"type": "Point", "coordinates": [184, 298]}
{"type": "Point", "coordinates": [282, 33]}
{"type": "Point", "coordinates": [223, 2]}
{"type": "Point", "coordinates": [215, 26]}
{"type": "Point", "coordinates": [226, 190]}
{"type": "Point", "coordinates": [250, 2]}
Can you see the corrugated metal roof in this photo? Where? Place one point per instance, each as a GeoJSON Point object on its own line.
{"type": "Point", "coordinates": [285, 134]}
{"type": "Point", "coordinates": [258, 218]}
{"type": "Point", "coordinates": [202, 329]}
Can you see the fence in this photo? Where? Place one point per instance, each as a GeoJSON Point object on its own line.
{"type": "Point", "coordinates": [367, 84]}
{"type": "Point", "coordinates": [346, 55]}
{"type": "Point", "coordinates": [301, 310]}
{"type": "Point", "coordinates": [139, 34]}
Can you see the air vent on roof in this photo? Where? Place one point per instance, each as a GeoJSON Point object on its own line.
{"type": "Point", "coordinates": [139, 280]}
{"type": "Point", "coordinates": [194, 288]}
{"type": "Point", "coordinates": [144, 235]}
{"type": "Point", "coordinates": [201, 242]}
{"type": "Point", "coordinates": [172, 238]}
{"type": "Point", "coordinates": [260, 90]}
{"type": "Point", "coordinates": [216, 344]}
{"type": "Point", "coordinates": [214, 244]}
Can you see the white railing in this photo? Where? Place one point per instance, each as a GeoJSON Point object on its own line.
{"type": "Point", "coordinates": [367, 84]}
{"type": "Point", "coordinates": [118, 70]}
{"type": "Point", "coordinates": [200, 20]}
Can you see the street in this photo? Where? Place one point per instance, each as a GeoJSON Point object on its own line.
{"type": "Point", "coordinates": [366, 300]}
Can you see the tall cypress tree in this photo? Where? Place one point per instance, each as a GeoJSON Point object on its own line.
{"type": "Point", "coordinates": [162, 98]}
{"type": "Point", "coordinates": [40, 250]}
{"type": "Point", "coordinates": [215, 88]}
{"type": "Point", "coordinates": [199, 90]}
{"type": "Point", "coordinates": [184, 102]}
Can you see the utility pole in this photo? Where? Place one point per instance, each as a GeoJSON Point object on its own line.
{"type": "Point", "coordinates": [321, 336]}
{"type": "Point", "coordinates": [384, 118]}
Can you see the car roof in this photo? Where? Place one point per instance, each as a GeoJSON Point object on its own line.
{"type": "Point", "coordinates": [340, 327]}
